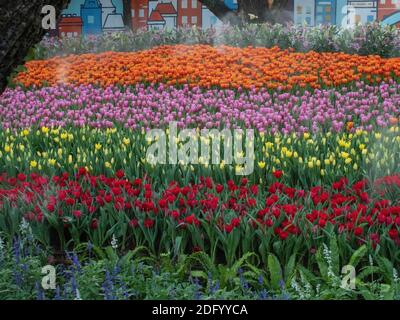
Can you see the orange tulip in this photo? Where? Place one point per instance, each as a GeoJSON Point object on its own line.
{"type": "Point", "coordinates": [203, 65]}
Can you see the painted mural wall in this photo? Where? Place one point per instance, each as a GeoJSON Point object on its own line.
{"type": "Point", "coordinates": [85, 17]}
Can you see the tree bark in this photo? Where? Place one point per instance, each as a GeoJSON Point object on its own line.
{"type": "Point", "coordinates": [127, 14]}
{"type": "Point", "coordinates": [20, 29]}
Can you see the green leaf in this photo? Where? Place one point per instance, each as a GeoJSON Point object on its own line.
{"type": "Point", "coordinates": [369, 271]}
{"type": "Point", "coordinates": [308, 275]}
{"type": "Point", "coordinates": [386, 267]}
{"type": "Point", "coordinates": [335, 254]}
{"type": "Point", "coordinates": [242, 260]}
{"type": "Point", "coordinates": [275, 271]}
{"type": "Point", "coordinates": [387, 292]}
{"type": "Point", "coordinates": [323, 267]}
{"type": "Point", "coordinates": [289, 268]}
{"type": "Point", "coordinates": [199, 274]}
{"type": "Point", "coordinates": [368, 295]}
{"type": "Point", "coordinates": [99, 252]}
{"type": "Point", "coordinates": [111, 254]}
{"type": "Point", "coordinates": [358, 255]}
{"type": "Point", "coordinates": [177, 245]}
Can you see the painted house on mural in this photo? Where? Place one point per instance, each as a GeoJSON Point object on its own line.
{"type": "Point", "coordinates": [158, 14]}
{"type": "Point", "coordinates": [91, 17]}
{"type": "Point", "coordinates": [304, 12]}
{"type": "Point", "coordinates": [389, 12]}
{"type": "Point", "coordinates": [70, 25]}
{"type": "Point", "coordinates": [85, 17]}
{"type": "Point", "coordinates": [190, 13]}
{"type": "Point", "coordinates": [139, 13]}
{"type": "Point", "coordinates": [344, 12]}
{"type": "Point", "coordinates": [112, 20]}
{"type": "Point", "coordinates": [162, 14]}
{"type": "Point", "coordinates": [360, 12]}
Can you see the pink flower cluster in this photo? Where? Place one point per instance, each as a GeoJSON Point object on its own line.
{"type": "Point", "coordinates": [366, 106]}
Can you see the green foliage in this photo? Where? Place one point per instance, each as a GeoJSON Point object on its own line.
{"type": "Point", "coordinates": [361, 39]}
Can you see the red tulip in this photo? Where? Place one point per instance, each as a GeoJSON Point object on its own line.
{"type": "Point", "coordinates": [94, 224]}
{"type": "Point", "coordinates": [77, 213]}
{"type": "Point", "coordinates": [358, 231]}
{"type": "Point", "coordinates": [148, 223]}
{"type": "Point", "coordinates": [277, 174]}
{"type": "Point", "coordinates": [393, 234]}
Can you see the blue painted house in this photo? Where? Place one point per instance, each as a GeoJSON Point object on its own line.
{"type": "Point", "coordinates": [325, 12]}
{"type": "Point", "coordinates": [91, 14]}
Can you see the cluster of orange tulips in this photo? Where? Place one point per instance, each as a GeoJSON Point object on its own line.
{"type": "Point", "coordinates": [207, 66]}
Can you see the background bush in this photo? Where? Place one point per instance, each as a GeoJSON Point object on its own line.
{"type": "Point", "coordinates": [370, 39]}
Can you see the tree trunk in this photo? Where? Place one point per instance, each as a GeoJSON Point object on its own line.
{"type": "Point", "coordinates": [127, 14]}
{"type": "Point", "coordinates": [20, 29]}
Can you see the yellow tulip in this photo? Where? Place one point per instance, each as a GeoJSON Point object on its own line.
{"type": "Point", "coordinates": [261, 164]}
{"type": "Point", "coordinates": [45, 130]}
{"type": "Point", "coordinates": [126, 141]}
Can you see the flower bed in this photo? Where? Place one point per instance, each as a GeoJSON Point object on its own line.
{"type": "Point", "coordinates": [366, 107]}
{"type": "Point", "coordinates": [237, 218]}
{"type": "Point", "coordinates": [324, 191]}
{"type": "Point", "coordinates": [306, 159]}
{"type": "Point", "coordinates": [206, 66]}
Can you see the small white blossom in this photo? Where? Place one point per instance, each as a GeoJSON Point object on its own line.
{"type": "Point", "coordinates": [371, 261]}
{"type": "Point", "coordinates": [114, 242]}
{"type": "Point", "coordinates": [297, 288]}
{"type": "Point", "coordinates": [1, 247]}
{"type": "Point", "coordinates": [395, 276]}
{"type": "Point", "coordinates": [24, 227]}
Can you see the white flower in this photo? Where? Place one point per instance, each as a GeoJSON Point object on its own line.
{"type": "Point", "coordinates": [114, 242]}
{"type": "Point", "coordinates": [395, 276]}
{"type": "Point", "coordinates": [24, 227]}
{"type": "Point", "coordinates": [1, 248]}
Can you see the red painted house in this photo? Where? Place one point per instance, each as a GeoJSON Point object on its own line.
{"type": "Point", "coordinates": [156, 21]}
{"type": "Point", "coordinates": [70, 26]}
{"type": "Point", "coordinates": [389, 12]}
{"type": "Point", "coordinates": [157, 14]}
{"type": "Point", "coordinates": [169, 14]}
{"type": "Point", "coordinates": [140, 13]}
{"type": "Point", "coordinates": [189, 13]}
